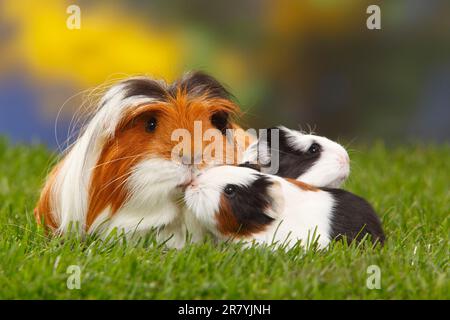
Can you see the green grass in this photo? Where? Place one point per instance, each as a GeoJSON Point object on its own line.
{"type": "Point", "coordinates": [409, 187]}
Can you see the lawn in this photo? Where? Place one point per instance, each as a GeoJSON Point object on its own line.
{"type": "Point", "coordinates": [408, 186]}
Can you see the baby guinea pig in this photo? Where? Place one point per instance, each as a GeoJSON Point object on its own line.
{"type": "Point", "coordinates": [308, 158]}
{"type": "Point", "coordinates": [241, 203]}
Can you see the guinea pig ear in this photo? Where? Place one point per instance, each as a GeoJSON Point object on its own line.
{"type": "Point", "coordinates": [249, 165]}
{"type": "Point", "coordinates": [276, 200]}
{"type": "Point", "coordinates": [197, 83]}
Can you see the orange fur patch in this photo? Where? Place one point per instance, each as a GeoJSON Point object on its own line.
{"type": "Point", "coordinates": [44, 211]}
{"type": "Point", "coordinates": [302, 185]}
{"type": "Point", "coordinates": [228, 225]}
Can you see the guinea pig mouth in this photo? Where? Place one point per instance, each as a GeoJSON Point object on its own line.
{"type": "Point", "coordinates": [191, 181]}
{"type": "Point", "coordinates": [336, 183]}
{"type": "Point", "coordinates": [185, 185]}
{"type": "Point", "coordinates": [187, 180]}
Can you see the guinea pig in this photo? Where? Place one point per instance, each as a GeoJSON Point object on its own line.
{"type": "Point", "coordinates": [122, 171]}
{"type": "Point", "coordinates": [243, 204]}
{"type": "Point", "coordinates": [314, 160]}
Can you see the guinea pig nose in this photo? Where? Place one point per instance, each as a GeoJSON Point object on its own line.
{"type": "Point", "coordinates": [344, 159]}
{"type": "Point", "coordinates": [347, 158]}
{"type": "Point", "coordinates": [193, 184]}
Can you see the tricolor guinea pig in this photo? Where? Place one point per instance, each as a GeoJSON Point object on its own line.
{"type": "Point", "coordinates": [308, 158]}
{"type": "Point", "coordinates": [244, 204]}
{"type": "Point", "coordinates": [122, 171]}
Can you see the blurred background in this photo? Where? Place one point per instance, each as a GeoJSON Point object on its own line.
{"type": "Point", "coordinates": [305, 64]}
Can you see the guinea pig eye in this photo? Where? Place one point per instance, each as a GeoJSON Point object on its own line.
{"type": "Point", "coordinates": [151, 124]}
{"type": "Point", "coordinates": [230, 190]}
{"type": "Point", "coordinates": [220, 121]}
{"type": "Point", "coordinates": [314, 148]}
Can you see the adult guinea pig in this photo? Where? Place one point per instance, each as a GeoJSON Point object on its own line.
{"type": "Point", "coordinates": [308, 158]}
{"type": "Point", "coordinates": [244, 204]}
{"type": "Point", "coordinates": [122, 171]}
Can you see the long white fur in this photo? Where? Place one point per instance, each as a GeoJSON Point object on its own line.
{"type": "Point", "coordinates": [299, 214]}
{"type": "Point", "coordinates": [154, 200]}
{"type": "Point", "coordinates": [331, 170]}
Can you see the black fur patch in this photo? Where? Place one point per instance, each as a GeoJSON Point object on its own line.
{"type": "Point", "coordinates": [145, 87]}
{"type": "Point", "coordinates": [253, 166]}
{"type": "Point", "coordinates": [198, 83]}
{"type": "Point", "coordinates": [292, 162]}
{"type": "Point", "coordinates": [220, 121]}
{"type": "Point", "coordinates": [248, 205]}
{"type": "Point", "coordinates": [353, 217]}
{"type": "Point", "coordinates": [195, 84]}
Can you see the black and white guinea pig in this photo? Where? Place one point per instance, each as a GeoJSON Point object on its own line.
{"type": "Point", "coordinates": [241, 203]}
{"type": "Point", "coordinates": [287, 153]}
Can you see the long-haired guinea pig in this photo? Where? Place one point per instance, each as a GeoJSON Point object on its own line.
{"type": "Point", "coordinates": [308, 158]}
{"type": "Point", "coordinates": [121, 171]}
{"type": "Point", "coordinates": [241, 203]}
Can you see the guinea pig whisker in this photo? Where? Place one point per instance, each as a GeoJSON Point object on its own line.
{"type": "Point", "coordinates": [58, 115]}
{"type": "Point", "coordinates": [347, 145]}
{"type": "Point", "coordinates": [118, 159]}
{"type": "Point", "coordinates": [83, 113]}
{"type": "Point", "coordinates": [310, 130]}
{"type": "Point", "coordinates": [179, 201]}
{"type": "Point", "coordinates": [89, 106]}
{"type": "Point", "coordinates": [119, 186]}
{"type": "Point", "coordinates": [115, 180]}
